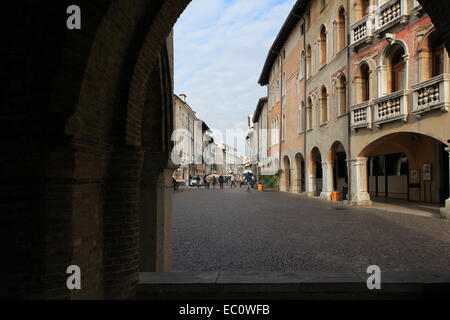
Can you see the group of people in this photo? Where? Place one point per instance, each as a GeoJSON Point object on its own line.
{"type": "Point", "coordinates": [211, 179]}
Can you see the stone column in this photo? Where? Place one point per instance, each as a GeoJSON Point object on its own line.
{"type": "Point", "coordinates": [359, 182]}
{"type": "Point", "coordinates": [156, 218]}
{"type": "Point", "coordinates": [311, 184]}
{"type": "Point", "coordinates": [296, 181]}
{"type": "Point", "coordinates": [327, 182]}
{"type": "Point", "coordinates": [445, 212]}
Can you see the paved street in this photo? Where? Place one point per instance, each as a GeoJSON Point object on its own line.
{"type": "Point", "coordinates": [232, 230]}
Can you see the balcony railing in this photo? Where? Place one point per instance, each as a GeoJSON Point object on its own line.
{"type": "Point", "coordinates": [361, 116]}
{"type": "Point", "coordinates": [391, 107]}
{"type": "Point", "coordinates": [389, 14]}
{"type": "Point", "coordinates": [361, 31]}
{"type": "Point", "coordinates": [432, 94]}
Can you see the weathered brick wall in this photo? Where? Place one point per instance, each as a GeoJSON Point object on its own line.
{"type": "Point", "coordinates": [70, 182]}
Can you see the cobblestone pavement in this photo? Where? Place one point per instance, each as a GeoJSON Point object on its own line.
{"type": "Point", "coordinates": [233, 230]}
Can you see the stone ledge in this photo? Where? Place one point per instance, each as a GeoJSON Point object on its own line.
{"type": "Point", "coordinates": [291, 285]}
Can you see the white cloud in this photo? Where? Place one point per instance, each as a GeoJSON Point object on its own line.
{"type": "Point", "coordinates": [220, 49]}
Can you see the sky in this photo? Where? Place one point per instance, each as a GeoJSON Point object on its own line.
{"type": "Point", "coordinates": [220, 50]}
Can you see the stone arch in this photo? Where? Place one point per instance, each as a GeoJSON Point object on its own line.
{"type": "Point", "coordinates": [299, 173]}
{"type": "Point", "coordinates": [324, 104]}
{"type": "Point", "coordinates": [302, 64]}
{"type": "Point", "coordinates": [309, 113]}
{"type": "Point", "coordinates": [341, 94]}
{"type": "Point", "coordinates": [341, 33]}
{"type": "Point", "coordinates": [414, 150]}
{"type": "Point", "coordinates": [360, 94]}
{"type": "Point", "coordinates": [308, 61]}
{"type": "Point", "coordinates": [286, 175]}
{"type": "Point", "coordinates": [393, 67]}
{"type": "Point", "coordinates": [315, 175]}
{"type": "Point", "coordinates": [431, 56]}
{"type": "Point", "coordinates": [337, 175]}
{"type": "Point", "coordinates": [322, 40]}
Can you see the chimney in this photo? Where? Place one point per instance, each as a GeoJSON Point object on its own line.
{"type": "Point", "coordinates": [183, 97]}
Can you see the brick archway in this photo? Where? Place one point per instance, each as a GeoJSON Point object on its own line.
{"type": "Point", "coordinates": [72, 129]}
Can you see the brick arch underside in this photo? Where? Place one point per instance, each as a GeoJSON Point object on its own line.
{"type": "Point", "coordinates": [74, 137]}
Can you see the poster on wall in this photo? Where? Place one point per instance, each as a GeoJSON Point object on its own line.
{"type": "Point", "coordinates": [427, 172]}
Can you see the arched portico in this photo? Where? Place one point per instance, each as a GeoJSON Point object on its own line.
{"type": "Point", "coordinates": [315, 176]}
{"type": "Point", "coordinates": [404, 165]}
{"type": "Point", "coordinates": [286, 175]}
{"type": "Point", "coordinates": [337, 168]}
{"type": "Point", "coordinates": [298, 182]}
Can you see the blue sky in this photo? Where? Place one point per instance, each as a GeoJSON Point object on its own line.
{"type": "Point", "coordinates": [220, 49]}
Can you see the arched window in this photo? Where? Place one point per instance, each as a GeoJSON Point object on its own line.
{"type": "Point", "coordinates": [393, 69]}
{"type": "Point", "coordinates": [308, 62]}
{"type": "Point", "coordinates": [322, 5]}
{"type": "Point", "coordinates": [363, 83]}
{"type": "Point", "coordinates": [342, 95]}
{"type": "Point", "coordinates": [302, 64]}
{"type": "Point", "coordinates": [431, 57]}
{"type": "Point", "coordinates": [323, 45]}
{"type": "Point", "coordinates": [309, 114]}
{"type": "Point", "coordinates": [323, 100]}
{"type": "Point", "coordinates": [398, 71]}
{"type": "Point", "coordinates": [340, 25]}
{"type": "Point", "coordinates": [361, 8]}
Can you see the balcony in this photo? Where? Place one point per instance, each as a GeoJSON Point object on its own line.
{"type": "Point", "coordinates": [361, 116]}
{"type": "Point", "coordinates": [390, 14]}
{"type": "Point", "coordinates": [431, 94]}
{"type": "Point", "coordinates": [361, 31]}
{"type": "Point", "coordinates": [391, 107]}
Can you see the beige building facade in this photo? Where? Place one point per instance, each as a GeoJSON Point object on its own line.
{"type": "Point", "coordinates": [190, 142]}
{"type": "Point", "coordinates": [358, 95]}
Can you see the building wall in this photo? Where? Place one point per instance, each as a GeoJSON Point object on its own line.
{"type": "Point", "coordinates": [419, 137]}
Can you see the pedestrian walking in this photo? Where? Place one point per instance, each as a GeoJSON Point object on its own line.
{"type": "Point", "coordinates": [198, 182]}
{"type": "Point", "coordinates": [205, 181]}
{"type": "Point", "coordinates": [232, 182]}
{"type": "Point", "coordinates": [221, 180]}
{"type": "Point", "coordinates": [214, 182]}
{"type": "Point", "coordinates": [249, 180]}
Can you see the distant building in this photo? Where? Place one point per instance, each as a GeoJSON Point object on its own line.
{"type": "Point", "coordinates": [194, 140]}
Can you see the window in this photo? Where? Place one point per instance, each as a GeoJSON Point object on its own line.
{"type": "Point", "coordinates": [302, 30]}
{"type": "Point", "coordinates": [398, 71]}
{"type": "Point", "coordinates": [283, 127]}
{"type": "Point", "coordinates": [308, 62]}
{"type": "Point", "coordinates": [393, 73]}
{"type": "Point", "coordinates": [283, 82]}
{"type": "Point", "coordinates": [309, 114]}
{"type": "Point", "coordinates": [277, 94]}
{"type": "Point", "coordinates": [322, 46]}
{"type": "Point", "coordinates": [431, 56]}
{"type": "Point", "coordinates": [300, 122]}
{"type": "Point", "coordinates": [364, 89]}
{"type": "Point", "coordinates": [323, 105]}
{"type": "Point", "coordinates": [340, 26]}
{"type": "Point", "coordinates": [361, 8]}
{"type": "Point", "coordinates": [342, 95]}
{"type": "Point", "coordinates": [302, 64]}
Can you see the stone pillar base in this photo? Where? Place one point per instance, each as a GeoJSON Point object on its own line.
{"type": "Point", "coordinates": [296, 189]}
{"type": "Point", "coordinates": [445, 212]}
{"type": "Point", "coordinates": [325, 195]}
{"type": "Point", "coordinates": [310, 194]}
